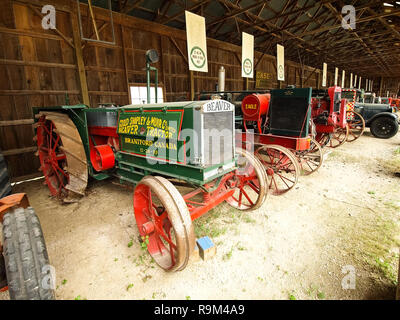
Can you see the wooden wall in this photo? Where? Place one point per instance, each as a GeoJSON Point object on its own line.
{"type": "Point", "coordinates": [39, 67]}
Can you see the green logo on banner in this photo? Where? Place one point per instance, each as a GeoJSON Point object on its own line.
{"type": "Point", "coordinates": [198, 57]}
{"type": "Point", "coordinates": [247, 66]}
{"type": "Point", "coordinates": [281, 75]}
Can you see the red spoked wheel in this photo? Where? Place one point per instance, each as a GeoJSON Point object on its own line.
{"type": "Point", "coordinates": [52, 159]}
{"type": "Point", "coordinates": [162, 215]}
{"type": "Point", "coordinates": [281, 167]}
{"type": "Point", "coordinates": [310, 160]}
{"type": "Point", "coordinates": [62, 155]}
{"type": "Point", "coordinates": [339, 136]}
{"type": "Point", "coordinates": [356, 126]}
{"type": "Point", "coordinates": [250, 183]}
{"type": "Point", "coordinates": [323, 138]}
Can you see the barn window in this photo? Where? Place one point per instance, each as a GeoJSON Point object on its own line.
{"type": "Point", "coordinates": [139, 94]}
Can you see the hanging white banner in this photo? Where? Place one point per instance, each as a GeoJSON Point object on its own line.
{"type": "Point", "coordinates": [343, 75]}
{"type": "Point", "coordinates": [280, 62]}
{"type": "Point", "coordinates": [196, 42]}
{"type": "Point", "coordinates": [247, 55]}
{"type": "Point", "coordinates": [355, 81]}
{"type": "Point", "coordinates": [351, 80]}
{"type": "Point", "coordinates": [359, 83]}
{"type": "Point", "coordinates": [324, 73]}
{"type": "Point", "coordinates": [336, 75]}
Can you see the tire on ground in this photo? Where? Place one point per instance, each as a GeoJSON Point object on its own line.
{"type": "Point", "coordinates": [391, 127]}
{"type": "Point", "coordinates": [25, 255]}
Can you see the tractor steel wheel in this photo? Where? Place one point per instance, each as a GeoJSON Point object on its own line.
{"type": "Point", "coordinates": [339, 136]}
{"type": "Point", "coordinates": [281, 167]}
{"type": "Point", "coordinates": [250, 183]}
{"type": "Point", "coordinates": [323, 139]}
{"type": "Point", "coordinates": [162, 216]}
{"type": "Point", "coordinates": [61, 154]}
{"type": "Point", "coordinates": [311, 159]}
{"type": "Point", "coordinates": [356, 127]}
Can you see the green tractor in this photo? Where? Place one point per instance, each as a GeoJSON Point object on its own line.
{"type": "Point", "coordinates": [154, 147]}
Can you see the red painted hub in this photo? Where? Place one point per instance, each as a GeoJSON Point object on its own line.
{"type": "Point", "coordinates": [153, 221]}
{"type": "Point", "coordinates": [270, 171]}
{"type": "Point", "coordinates": [52, 158]}
{"type": "Point", "coordinates": [247, 186]}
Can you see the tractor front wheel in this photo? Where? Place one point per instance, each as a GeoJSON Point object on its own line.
{"type": "Point", "coordinates": [310, 160]}
{"type": "Point", "coordinates": [339, 136]}
{"type": "Point", "coordinates": [323, 138]}
{"type": "Point", "coordinates": [164, 222]}
{"type": "Point", "coordinates": [250, 182]}
{"type": "Point", "coordinates": [356, 126]}
{"type": "Point", "coordinates": [281, 167]}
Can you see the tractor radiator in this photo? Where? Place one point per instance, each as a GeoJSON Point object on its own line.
{"type": "Point", "coordinates": [215, 130]}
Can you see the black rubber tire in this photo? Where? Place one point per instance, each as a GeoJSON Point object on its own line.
{"type": "Point", "coordinates": [391, 127]}
{"type": "Point", "coordinates": [3, 277]}
{"type": "Point", "coordinates": [5, 186]}
{"type": "Point", "coordinates": [25, 256]}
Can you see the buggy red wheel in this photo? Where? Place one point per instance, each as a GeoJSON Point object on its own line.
{"type": "Point", "coordinates": [323, 138]}
{"type": "Point", "coordinates": [52, 159]}
{"type": "Point", "coordinates": [356, 127]}
{"type": "Point", "coordinates": [250, 183]}
{"type": "Point", "coordinates": [310, 160]}
{"type": "Point", "coordinates": [339, 136]}
{"type": "Point", "coordinates": [281, 167]}
{"type": "Point", "coordinates": [163, 218]}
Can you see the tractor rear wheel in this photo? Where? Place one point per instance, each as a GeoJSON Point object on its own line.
{"type": "Point", "coordinates": [310, 160]}
{"type": "Point", "coordinates": [339, 136]}
{"type": "Point", "coordinates": [164, 222]}
{"type": "Point", "coordinates": [62, 155]}
{"type": "Point", "coordinates": [251, 183]}
{"type": "Point", "coordinates": [356, 126]}
{"type": "Point", "coordinates": [281, 167]}
{"type": "Point", "coordinates": [26, 260]}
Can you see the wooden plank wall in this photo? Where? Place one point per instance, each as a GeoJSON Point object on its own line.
{"type": "Point", "coordinates": [39, 67]}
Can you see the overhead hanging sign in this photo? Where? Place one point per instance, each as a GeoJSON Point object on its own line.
{"type": "Point", "coordinates": [343, 75]}
{"type": "Point", "coordinates": [351, 80]}
{"type": "Point", "coordinates": [355, 81]}
{"type": "Point", "coordinates": [336, 75]}
{"type": "Point", "coordinates": [280, 62]}
{"type": "Point", "coordinates": [196, 42]}
{"type": "Point", "coordinates": [247, 55]}
{"type": "Point", "coordinates": [324, 72]}
{"type": "Point", "coordinates": [359, 83]}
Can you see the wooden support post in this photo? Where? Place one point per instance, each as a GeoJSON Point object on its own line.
{"type": "Point", "coordinates": [247, 83]}
{"type": "Point", "coordinates": [319, 80]}
{"type": "Point", "coordinates": [125, 64]}
{"type": "Point", "coordinates": [191, 85]}
{"type": "Point", "coordinates": [79, 58]}
{"type": "Point", "coordinates": [163, 69]}
{"type": "Point", "coordinates": [380, 86]}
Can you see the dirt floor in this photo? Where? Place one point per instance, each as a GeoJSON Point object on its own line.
{"type": "Point", "coordinates": [307, 244]}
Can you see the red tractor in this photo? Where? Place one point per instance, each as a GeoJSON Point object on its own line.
{"type": "Point", "coordinates": [277, 126]}
{"type": "Point", "coordinates": [329, 117]}
{"type": "Point", "coordinates": [395, 104]}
